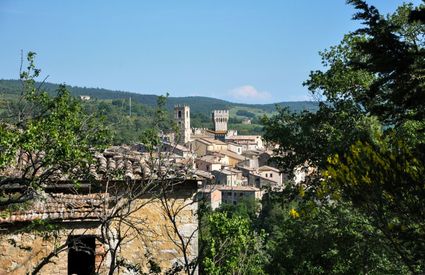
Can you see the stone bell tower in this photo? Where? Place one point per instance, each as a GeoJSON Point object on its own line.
{"type": "Point", "coordinates": [182, 118]}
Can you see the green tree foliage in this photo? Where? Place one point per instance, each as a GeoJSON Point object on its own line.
{"type": "Point", "coordinates": [199, 104]}
{"type": "Point", "coordinates": [52, 134]}
{"type": "Point", "coordinates": [367, 144]}
{"type": "Point", "coordinates": [245, 113]}
{"type": "Point", "coordinates": [385, 182]}
{"type": "Point", "coordinates": [230, 245]}
{"type": "Point", "coordinates": [393, 51]}
{"type": "Point", "coordinates": [332, 239]}
{"type": "Point", "coordinates": [311, 137]}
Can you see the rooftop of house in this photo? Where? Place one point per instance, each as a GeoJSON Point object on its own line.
{"type": "Point", "coordinates": [234, 170]}
{"type": "Point", "coordinates": [211, 188]}
{"type": "Point", "coordinates": [255, 174]}
{"type": "Point", "coordinates": [178, 147]}
{"type": "Point", "coordinates": [224, 171]}
{"type": "Point", "coordinates": [58, 206]}
{"type": "Point", "coordinates": [252, 152]}
{"type": "Point", "coordinates": [214, 141]}
{"type": "Point", "coordinates": [245, 168]}
{"type": "Point", "coordinates": [204, 174]}
{"type": "Point", "coordinates": [199, 136]}
{"type": "Point", "coordinates": [116, 162]}
{"type": "Point", "coordinates": [268, 168]}
{"type": "Point", "coordinates": [232, 155]}
{"type": "Point", "coordinates": [243, 137]}
{"type": "Point", "coordinates": [212, 159]}
{"type": "Point", "coordinates": [233, 143]}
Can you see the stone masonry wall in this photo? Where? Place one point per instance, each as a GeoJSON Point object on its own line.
{"type": "Point", "coordinates": [152, 239]}
{"type": "Point", "coordinates": [20, 252]}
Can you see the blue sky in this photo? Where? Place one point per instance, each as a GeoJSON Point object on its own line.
{"type": "Point", "coordinates": [238, 50]}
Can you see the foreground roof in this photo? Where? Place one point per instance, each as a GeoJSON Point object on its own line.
{"type": "Point", "coordinates": [59, 206]}
{"type": "Point", "coordinates": [116, 163]}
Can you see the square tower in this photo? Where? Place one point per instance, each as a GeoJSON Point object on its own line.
{"type": "Point", "coordinates": [220, 119]}
{"type": "Point", "coordinates": [182, 118]}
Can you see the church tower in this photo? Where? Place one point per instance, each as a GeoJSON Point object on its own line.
{"type": "Point", "coordinates": [182, 118]}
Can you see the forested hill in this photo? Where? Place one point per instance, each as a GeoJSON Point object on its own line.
{"type": "Point", "coordinates": [198, 104]}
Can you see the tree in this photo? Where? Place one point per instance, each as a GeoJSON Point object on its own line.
{"type": "Point", "coordinates": [44, 136]}
{"type": "Point", "coordinates": [386, 183]}
{"type": "Point", "coordinates": [231, 245]}
{"type": "Point", "coordinates": [367, 140]}
{"type": "Point", "coordinates": [303, 238]}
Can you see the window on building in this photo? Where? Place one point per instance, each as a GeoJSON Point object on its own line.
{"type": "Point", "coordinates": [271, 175]}
{"type": "Point", "coordinates": [81, 255]}
{"type": "Point", "coordinates": [180, 114]}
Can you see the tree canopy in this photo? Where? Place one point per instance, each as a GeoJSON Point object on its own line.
{"type": "Point", "coordinates": [367, 145]}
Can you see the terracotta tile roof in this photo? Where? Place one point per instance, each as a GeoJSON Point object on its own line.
{"type": "Point", "coordinates": [116, 162]}
{"type": "Point", "coordinates": [211, 188]}
{"type": "Point", "coordinates": [58, 206]}
{"type": "Point", "coordinates": [268, 168]}
{"type": "Point", "coordinates": [243, 137]}
{"type": "Point", "coordinates": [212, 141]}
{"type": "Point", "coordinates": [232, 155]}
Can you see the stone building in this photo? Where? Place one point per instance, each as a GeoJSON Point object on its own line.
{"type": "Point", "coordinates": [271, 173]}
{"type": "Point", "coordinates": [123, 213]}
{"type": "Point", "coordinates": [205, 146]}
{"type": "Point", "coordinates": [182, 117]}
{"type": "Point", "coordinates": [249, 142]}
{"type": "Point", "coordinates": [220, 119]}
{"type": "Point", "coordinates": [229, 177]}
{"type": "Point", "coordinates": [216, 195]}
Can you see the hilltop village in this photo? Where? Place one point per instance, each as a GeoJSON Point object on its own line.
{"type": "Point", "coordinates": [238, 166]}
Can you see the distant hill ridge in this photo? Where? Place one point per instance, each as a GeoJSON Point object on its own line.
{"type": "Point", "coordinates": [198, 104]}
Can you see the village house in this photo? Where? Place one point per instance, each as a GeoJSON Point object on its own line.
{"type": "Point", "coordinates": [234, 158]}
{"type": "Point", "coordinates": [234, 147]}
{"type": "Point", "coordinates": [271, 173]}
{"type": "Point", "coordinates": [230, 177]}
{"type": "Point", "coordinates": [85, 97]}
{"type": "Point", "coordinates": [255, 179]}
{"type": "Point", "coordinates": [216, 195]}
{"type": "Point", "coordinates": [249, 142]}
{"type": "Point", "coordinates": [210, 163]}
{"type": "Point", "coordinates": [250, 159]}
{"type": "Point", "coordinates": [203, 146]}
{"type": "Point", "coordinates": [122, 211]}
{"type": "Point", "coordinates": [246, 121]}
{"type": "Point", "coordinates": [177, 149]}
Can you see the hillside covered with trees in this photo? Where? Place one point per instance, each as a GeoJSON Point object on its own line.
{"type": "Point", "coordinates": [198, 104]}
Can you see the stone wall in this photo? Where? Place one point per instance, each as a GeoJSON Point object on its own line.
{"type": "Point", "coordinates": [20, 252]}
{"type": "Point", "coordinates": [150, 237]}
{"type": "Point", "coordinates": [157, 239]}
